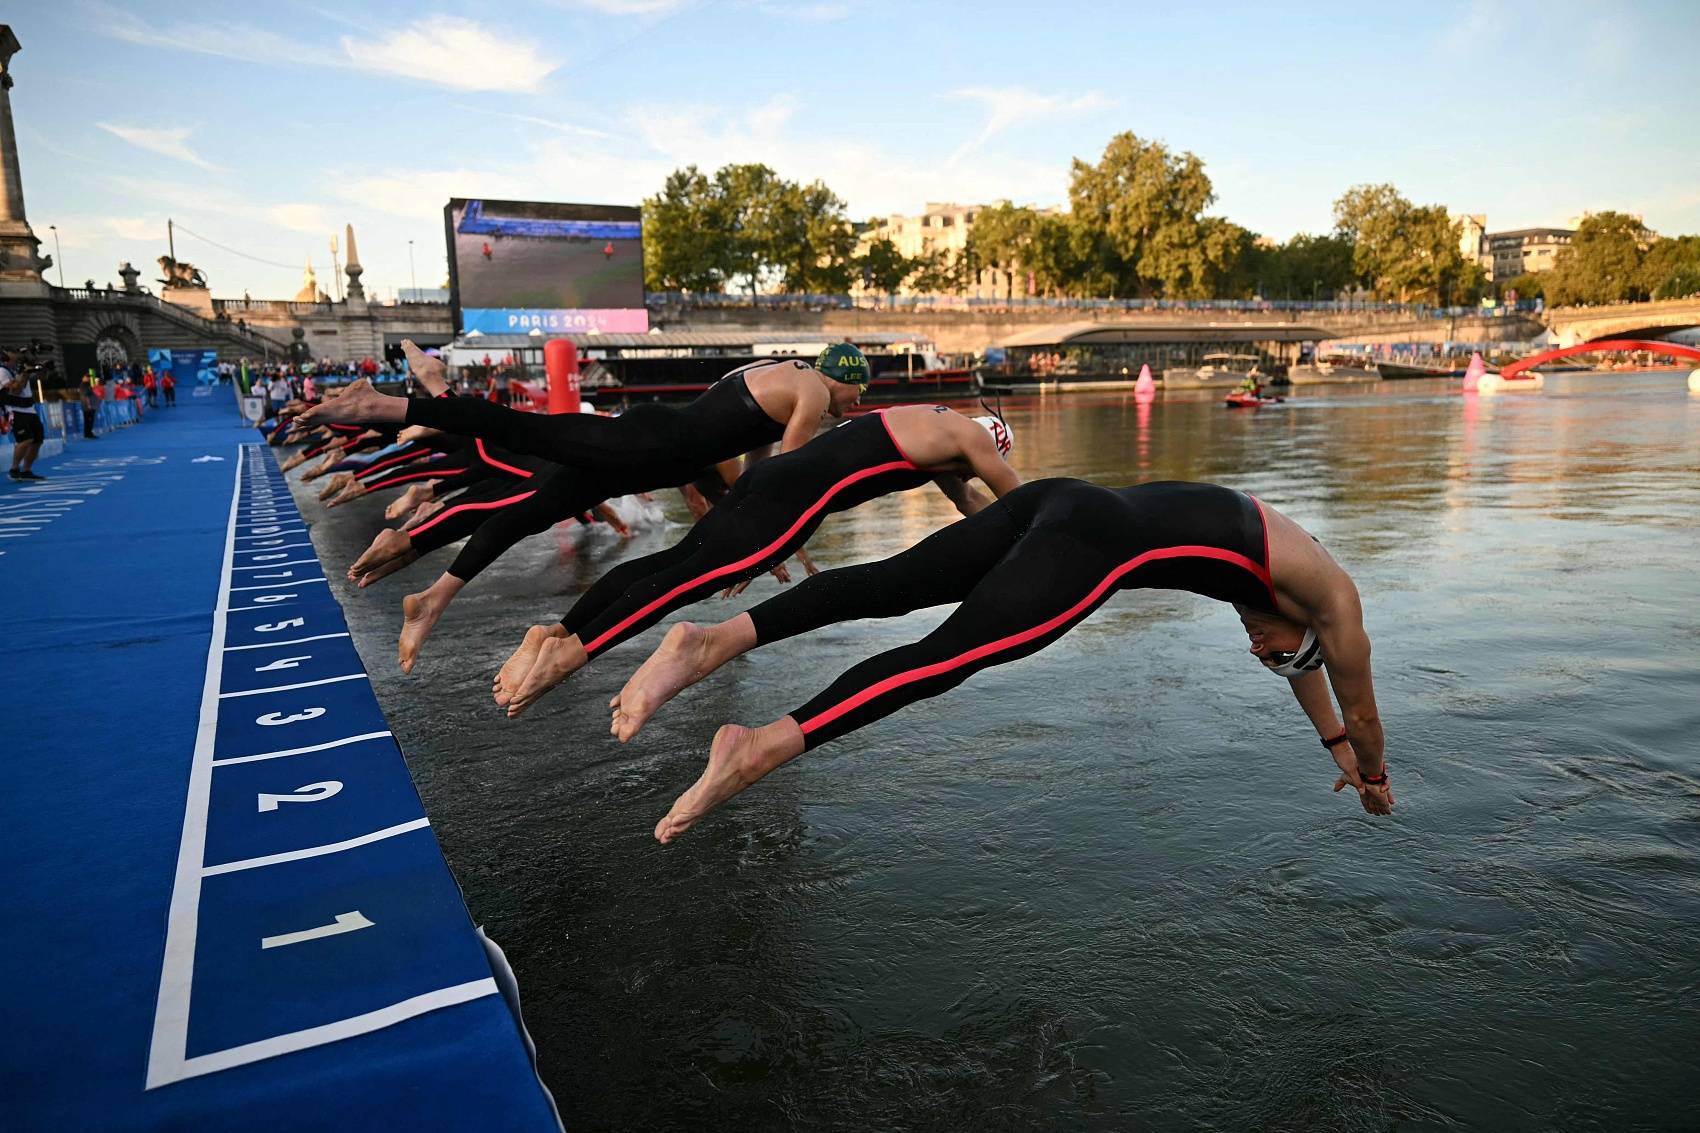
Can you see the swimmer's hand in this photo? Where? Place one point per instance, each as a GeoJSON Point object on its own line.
{"type": "Point", "coordinates": [780, 572]}
{"type": "Point", "coordinates": [1376, 799]}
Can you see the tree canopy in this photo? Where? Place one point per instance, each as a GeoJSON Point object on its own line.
{"type": "Point", "coordinates": [1137, 226]}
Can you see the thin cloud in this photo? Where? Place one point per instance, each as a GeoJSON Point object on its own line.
{"type": "Point", "coordinates": [1009, 107]}
{"type": "Point", "coordinates": [441, 50]}
{"type": "Point", "coordinates": [244, 42]}
{"type": "Point", "coordinates": [571, 129]}
{"type": "Point", "coordinates": [629, 7]}
{"type": "Point", "coordinates": [454, 53]}
{"type": "Point", "coordinates": [172, 142]}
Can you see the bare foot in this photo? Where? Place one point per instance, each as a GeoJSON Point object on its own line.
{"type": "Point", "coordinates": [337, 483]}
{"type": "Point", "coordinates": [734, 762]}
{"type": "Point", "coordinates": [388, 544]}
{"type": "Point", "coordinates": [432, 373]}
{"type": "Point", "coordinates": [557, 659]}
{"type": "Point", "coordinates": [324, 466]}
{"type": "Point", "coordinates": [415, 495]}
{"type": "Point", "coordinates": [385, 568]}
{"type": "Point", "coordinates": [681, 660]}
{"type": "Point", "coordinates": [423, 512]}
{"type": "Point", "coordinates": [419, 614]}
{"type": "Point", "coordinates": [513, 672]}
{"type": "Point", "coordinates": [353, 491]}
{"type": "Point", "coordinates": [296, 460]}
{"type": "Point", "coordinates": [359, 402]}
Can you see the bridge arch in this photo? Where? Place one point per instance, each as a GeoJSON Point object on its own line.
{"type": "Point", "coordinates": [1520, 367]}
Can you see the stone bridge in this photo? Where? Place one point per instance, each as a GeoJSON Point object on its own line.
{"type": "Point", "coordinates": [79, 317]}
{"type": "Point", "coordinates": [1572, 325]}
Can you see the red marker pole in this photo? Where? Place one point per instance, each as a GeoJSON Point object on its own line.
{"type": "Point", "coordinates": [560, 361]}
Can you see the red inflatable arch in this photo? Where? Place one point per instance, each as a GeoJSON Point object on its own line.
{"type": "Point", "coordinates": [1515, 371]}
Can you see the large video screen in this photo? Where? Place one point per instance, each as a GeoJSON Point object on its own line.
{"type": "Point", "coordinates": [519, 265]}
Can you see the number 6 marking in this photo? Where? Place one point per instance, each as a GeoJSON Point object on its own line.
{"type": "Point", "coordinates": [272, 719]}
{"type": "Point", "coordinates": [311, 793]}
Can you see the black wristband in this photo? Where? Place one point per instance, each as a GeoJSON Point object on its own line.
{"type": "Point", "coordinates": [1375, 780]}
{"type": "Point", "coordinates": [1330, 742]}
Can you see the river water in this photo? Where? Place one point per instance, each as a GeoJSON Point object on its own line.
{"type": "Point", "coordinates": [1107, 887]}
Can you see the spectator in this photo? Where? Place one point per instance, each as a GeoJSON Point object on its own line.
{"type": "Point", "coordinates": [91, 404]}
{"type": "Point", "coordinates": [278, 392]}
{"type": "Point", "coordinates": [27, 433]}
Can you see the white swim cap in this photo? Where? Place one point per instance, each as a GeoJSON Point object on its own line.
{"type": "Point", "coordinates": [1002, 435]}
{"type": "Point", "coordinates": [1307, 658]}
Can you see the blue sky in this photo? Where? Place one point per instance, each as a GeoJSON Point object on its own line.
{"type": "Point", "coordinates": [267, 127]}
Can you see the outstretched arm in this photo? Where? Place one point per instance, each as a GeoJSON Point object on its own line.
{"type": "Point", "coordinates": [1345, 646]}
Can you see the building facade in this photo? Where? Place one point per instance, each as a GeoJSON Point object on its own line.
{"type": "Point", "coordinates": [941, 230]}
{"type": "Point", "coordinates": [1525, 251]}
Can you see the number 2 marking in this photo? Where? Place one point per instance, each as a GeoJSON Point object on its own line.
{"type": "Point", "coordinates": [311, 793]}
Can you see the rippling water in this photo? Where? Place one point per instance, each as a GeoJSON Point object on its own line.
{"type": "Point", "coordinates": [1107, 887]}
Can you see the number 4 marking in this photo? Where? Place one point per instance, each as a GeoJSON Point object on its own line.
{"type": "Point", "coordinates": [345, 922]}
{"type": "Point", "coordinates": [311, 793]}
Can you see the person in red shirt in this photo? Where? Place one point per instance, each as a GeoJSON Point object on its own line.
{"type": "Point", "coordinates": [151, 385]}
{"type": "Point", "coordinates": [169, 385]}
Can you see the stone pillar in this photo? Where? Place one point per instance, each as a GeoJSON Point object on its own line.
{"type": "Point", "coordinates": [353, 269]}
{"type": "Point", "coordinates": [19, 259]}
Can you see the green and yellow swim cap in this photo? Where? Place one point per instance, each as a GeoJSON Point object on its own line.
{"type": "Point", "coordinates": [845, 363]}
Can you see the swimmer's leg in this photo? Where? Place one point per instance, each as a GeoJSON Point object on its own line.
{"type": "Point", "coordinates": [1046, 586]}
{"type": "Point", "coordinates": [941, 569]}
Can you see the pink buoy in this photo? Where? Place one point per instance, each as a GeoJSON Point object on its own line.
{"type": "Point", "coordinates": [1145, 387]}
{"type": "Point", "coordinates": [1473, 372]}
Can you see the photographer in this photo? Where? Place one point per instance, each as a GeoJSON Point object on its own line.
{"type": "Point", "coordinates": [17, 396]}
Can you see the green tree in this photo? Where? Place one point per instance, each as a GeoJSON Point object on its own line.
{"type": "Point", "coordinates": [1671, 268]}
{"type": "Point", "coordinates": [1146, 204]}
{"type": "Point", "coordinates": [1604, 262]}
{"type": "Point", "coordinates": [1404, 251]}
{"type": "Point", "coordinates": [684, 244]}
{"type": "Point", "coordinates": [882, 267]}
{"type": "Point", "coordinates": [1529, 285]}
{"type": "Point", "coordinates": [805, 237]}
{"type": "Point", "coordinates": [1306, 267]}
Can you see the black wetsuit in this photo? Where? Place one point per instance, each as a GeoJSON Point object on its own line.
{"type": "Point", "coordinates": [769, 513]}
{"type": "Point", "coordinates": [1026, 570]}
{"type": "Point", "coordinates": [647, 448]}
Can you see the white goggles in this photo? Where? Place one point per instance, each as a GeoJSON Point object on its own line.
{"type": "Point", "coordinates": [1307, 658]}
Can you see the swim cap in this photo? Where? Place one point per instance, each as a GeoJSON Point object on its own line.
{"type": "Point", "coordinates": [1307, 658]}
{"type": "Point", "coordinates": [844, 363]}
{"type": "Point", "coordinates": [1002, 435]}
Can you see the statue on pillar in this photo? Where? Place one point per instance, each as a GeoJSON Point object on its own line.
{"type": "Point", "coordinates": [181, 273]}
{"type": "Point", "coordinates": [310, 292]}
{"type": "Point", "coordinates": [128, 273]}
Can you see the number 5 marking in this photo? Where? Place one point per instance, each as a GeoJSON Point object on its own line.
{"type": "Point", "coordinates": [311, 793]}
{"type": "Point", "coordinates": [345, 922]}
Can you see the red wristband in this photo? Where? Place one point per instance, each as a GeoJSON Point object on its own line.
{"type": "Point", "coordinates": [1329, 743]}
{"type": "Point", "coordinates": [1375, 780]}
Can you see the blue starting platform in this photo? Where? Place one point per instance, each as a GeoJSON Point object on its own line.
{"type": "Point", "coordinates": [226, 906]}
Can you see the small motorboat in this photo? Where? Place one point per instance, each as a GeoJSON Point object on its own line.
{"type": "Point", "coordinates": [1242, 399]}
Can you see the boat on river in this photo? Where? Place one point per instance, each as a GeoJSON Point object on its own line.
{"type": "Point", "coordinates": [1245, 399]}
{"type": "Point", "coordinates": [1215, 370]}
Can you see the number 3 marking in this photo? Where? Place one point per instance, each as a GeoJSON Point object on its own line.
{"type": "Point", "coordinates": [272, 719]}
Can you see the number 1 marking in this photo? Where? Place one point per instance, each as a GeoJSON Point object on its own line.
{"type": "Point", "coordinates": [345, 922]}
